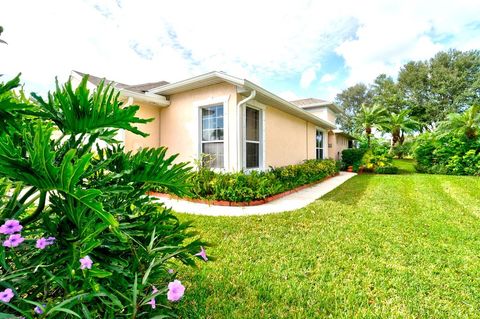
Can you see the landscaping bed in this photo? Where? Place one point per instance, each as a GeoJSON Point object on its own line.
{"type": "Point", "coordinates": [255, 187]}
{"type": "Point", "coordinates": [241, 204]}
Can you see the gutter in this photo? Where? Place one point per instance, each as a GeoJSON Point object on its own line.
{"type": "Point", "coordinates": [252, 95]}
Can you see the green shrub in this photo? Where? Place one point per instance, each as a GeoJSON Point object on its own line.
{"type": "Point", "coordinates": [98, 246]}
{"type": "Point", "coordinates": [352, 157]}
{"type": "Point", "coordinates": [450, 153]}
{"type": "Point", "coordinates": [386, 170]}
{"type": "Point", "coordinates": [254, 185]}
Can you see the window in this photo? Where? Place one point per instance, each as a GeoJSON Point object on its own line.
{"type": "Point", "coordinates": [319, 144]}
{"type": "Point", "coordinates": [212, 135]}
{"type": "Point", "coordinates": [253, 147]}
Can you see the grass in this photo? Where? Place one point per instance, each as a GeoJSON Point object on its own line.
{"type": "Point", "coordinates": [379, 246]}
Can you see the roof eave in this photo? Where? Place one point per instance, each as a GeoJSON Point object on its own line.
{"type": "Point", "coordinates": [290, 106]}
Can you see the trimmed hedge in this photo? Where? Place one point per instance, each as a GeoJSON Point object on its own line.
{"type": "Point", "coordinates": [255, 185]}
{"type": "Point", "coordinates": [352, 157]}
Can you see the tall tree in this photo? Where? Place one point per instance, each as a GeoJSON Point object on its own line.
{"type": "Point", "coordinates": [351, 100]}
{"type": "Point", "coordinates": [449, 82]}
{"type": "Point", "coordinates": [370, 117]}
{"type": "Point", "coordinates": [386, 92]}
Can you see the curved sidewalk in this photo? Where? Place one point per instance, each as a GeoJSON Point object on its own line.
{"type": "Point", "coordinates": [290, 202]}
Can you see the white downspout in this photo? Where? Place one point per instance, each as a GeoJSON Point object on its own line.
{"type": "Point", "coordinates": [238, 133]}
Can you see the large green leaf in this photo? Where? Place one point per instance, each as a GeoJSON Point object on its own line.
{"type": "Point", "coordinates": [78, 111]}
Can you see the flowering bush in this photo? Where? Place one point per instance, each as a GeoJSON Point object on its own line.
{"type": "Point", "coordinates": [79, 236]}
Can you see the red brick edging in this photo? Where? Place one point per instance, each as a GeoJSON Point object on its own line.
{"type": "Point", "coordinates": [241, 204]}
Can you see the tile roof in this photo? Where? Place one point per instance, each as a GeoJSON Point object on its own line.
{"type": "Point", "coordinates": [141, 88]}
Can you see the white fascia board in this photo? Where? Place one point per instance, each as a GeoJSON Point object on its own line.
{"type": "Point", "coordinates": [196, 82]}
{"type": "Point", "coordinates": [330, 105]}
{"type": "Point", "coordinates": [292, 107]}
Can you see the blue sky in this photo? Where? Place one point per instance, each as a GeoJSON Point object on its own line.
{"type": "Point", "coordinates": [295, 48]}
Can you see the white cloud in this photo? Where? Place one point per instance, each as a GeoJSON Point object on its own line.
{"type": "Point", "coordinates": [308, 76]}
{"type": "Point", "coordinates": [329, 77]}
{"type": "Point", "coordinates": [289, 96]}
{"type": "Point", "coordinates": [394, 32]}
{"type": "Point", "coordinates": [137, 41]}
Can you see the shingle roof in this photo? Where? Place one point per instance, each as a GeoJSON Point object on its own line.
{"type": "Point", "coordinates": [306, 102]}
{"type": "Point", "coordinates": [141, 88]}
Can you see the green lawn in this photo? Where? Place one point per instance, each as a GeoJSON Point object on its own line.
{"type": "Point", "coordinates": [379, 246]}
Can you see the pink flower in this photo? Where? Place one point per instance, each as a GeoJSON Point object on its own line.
{"type": "Point", "coordinates": [86, 263]}
{"type": "Point", "coordinates": [39, 310]}
{"type": "Point", "coordinates": [13, 241]}
{"type": "Point", "coordinates": [175, 290]}
{"type": "Point", "coordinates": [171, 271]}
{"type": "Point", "coordinates": [202, 253]}
{"type": "Point", "coordinates": [11, 226]}
{"type": "Point", "coordinates": [6, 295]}
{"type": "Point", "coordinates": [152, 301]}
{"type": "Point", "coordinates": [44, 242]}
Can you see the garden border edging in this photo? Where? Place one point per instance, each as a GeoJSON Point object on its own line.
{"type": "Point", "coordinates": [256, 202]}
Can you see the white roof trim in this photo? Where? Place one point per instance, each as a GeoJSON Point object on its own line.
{"type": "Point", "coordinates": [218, 77]}
{"type": "Point", "coordinates": [314, 105]}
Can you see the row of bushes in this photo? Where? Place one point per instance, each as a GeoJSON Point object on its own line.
{"type": "Point", "coordinates": [255, 185]}
{"type": "Point", "coordinates": [450, 154]}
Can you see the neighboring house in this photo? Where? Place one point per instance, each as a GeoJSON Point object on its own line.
{"type": "Point", "coordinates": [240, 124]}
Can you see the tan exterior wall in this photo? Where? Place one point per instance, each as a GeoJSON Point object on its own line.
{"type": "Point", "coordinates": [332, 145]}
{"type": "Point", "coordinates": [179, 122]}
{"type": "Point", "coordinates": [331, 116]}
{"type": "Point", "coordinates": [289, 140]}
{"type": "Point", "coordinates": [132, 141]}
{"type": "Point", "coordinates": [342, 143]}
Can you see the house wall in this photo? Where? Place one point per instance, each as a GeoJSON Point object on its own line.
{"type": "Point", "coordinates": [132, 141]}
{"type": "Point", "coordinates": [341, 144]}
{"type": "Point", "coordinates": [289, 140]}
{"type": "Point", "coordinates": [332, 145]}
{"type": "Point", "coordinates": [179, 123]}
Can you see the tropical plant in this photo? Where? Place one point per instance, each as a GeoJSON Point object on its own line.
{"type": "Point", "coordinates": [80, 237]}
{"type": "Point", "coordinates": [369, 118]}
{"type": "Point", "coordinates": [398, 125]}
{"type": "Point", "coordinates": [466, 123]}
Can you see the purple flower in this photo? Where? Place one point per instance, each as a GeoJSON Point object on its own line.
{"type": "Point", "coordinates": [13, 241]}
{"type": "Point", "coordinates": [175, 290]}
{"type": "Point", "coordinates": [171, 271]}
{"type": "Point", "coordinates": [202, 253]}
{"type": "Point", "coordinates": [39, 310]}
{"type": "Point", "coordinates": [152, 301]}
{"type": "Point", "coordinates": [86, 263]}
{"type": "Point", "coordinates": [11, 226]}
{"type": "Point", "coordinates": [44, 242]}
{"type": "Point", "coordinates": [6, 295]}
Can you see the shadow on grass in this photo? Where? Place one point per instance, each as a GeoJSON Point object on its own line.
{"type": "Point", "coordinates": [350, 192]}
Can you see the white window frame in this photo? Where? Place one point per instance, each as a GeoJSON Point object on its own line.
{"type": "Point", "coordinates": [324, 142]}
{"type": "Point", "coordinates": [198, 106]}
{"type": "Point", "coordinates": [261, 142]}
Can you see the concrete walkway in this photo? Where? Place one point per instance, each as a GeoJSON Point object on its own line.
{"type": "Point", "coordinates": [290, 202]}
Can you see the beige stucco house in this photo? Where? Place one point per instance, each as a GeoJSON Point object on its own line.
{"type": "Point", "coordinates": [240, 124]}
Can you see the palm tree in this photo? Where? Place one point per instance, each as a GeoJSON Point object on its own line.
{"type": "Point", "coordinates": [398, 125]}
{"type": "Point", "coordinates": [467, 123]}
{"type": "Point", "coordinates": [370, 117]}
